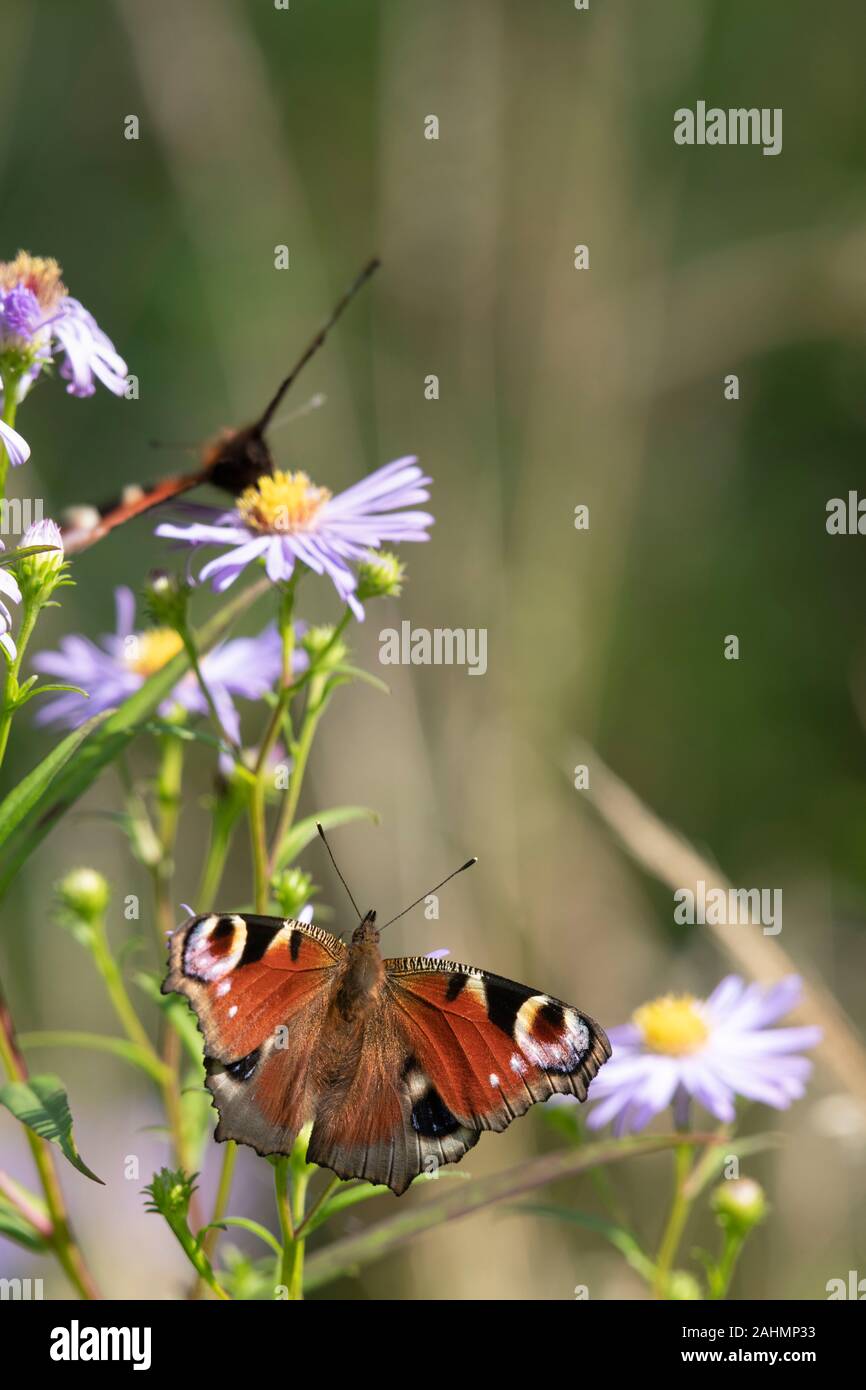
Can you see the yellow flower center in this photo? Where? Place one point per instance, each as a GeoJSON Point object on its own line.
{"type": "Point", "coordinates": [284, 502]}
{"type": "Point", "coordinates": [150, 651]}
{"type": "Point", "coordinates": [40, 274]}
{"type": "Point", "coordinates": [673, 1024]}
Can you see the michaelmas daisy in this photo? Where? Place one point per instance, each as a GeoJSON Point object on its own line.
{"type": "Point", "coordinates": [679, 1048]}
{"type": "Point", "coordinates": [39, 319]}
{"type": "Point", "coordinates": [245, 667]}
{"type": "Point", "coordinates": [285, 520]}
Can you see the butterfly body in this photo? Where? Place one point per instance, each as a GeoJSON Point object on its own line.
{"type": "Point", "coordinates": [399, 1065]}
{"type": "Point", "coordinates": [235, 460]}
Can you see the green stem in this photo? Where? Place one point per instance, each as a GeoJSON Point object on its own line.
{"type": "Point", "coordinates": [291, 1179]}
{"type": "Point", "coordinates": [11, 673]}
{"type": "Point", "coordinates": [721, 1276]}
{"type": "Point", "coordinates": [226, 814]}
{"type": "Point", "coordinates": [220, 1206]}
{"type": "Point", "coordinates": [315, 708]}
{"type": "Point", "coordinates": [10, 410]}
{"type": "Point", "coordinates": [317, 1205]}
{"type": "Point", "coordinates": [300, 756]}
{"type": "Point", "coordinates": [284, 1212]}
{"type": "Point", "coordinates": [677, 1217]}
{"type": "Point", "coordinates": [192, 652]}
{"type": "Point", "coordinates": [62, 1240]}
{"type": "Point", "coordinates": [168, 798]}
{"type": "Point", "coordinates": [258, 819]}
{"type": "Point", "coordinates": [117, 991]}
{"type": "Point", "coordinates": [197, 1257]}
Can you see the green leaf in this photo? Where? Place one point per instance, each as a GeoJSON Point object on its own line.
{"type": "Point", "coordinates": [14, 1227]}
{"type": "Point", "coordinates": [621, 1238]}
{"type": "Point", "coordinates": [245, 1224]}
{"type": "Point", "coordinates": [121, 1047]}
{"type": "Point", "coordinates": [29, 691]}
{"type": "Point", "coordinates": [351, 1193]}
{"type": "Point", "coordinates": [185, 733]}
{"type": "Point", "coordinates": [11, 557]}
{"type": "Point", "coordinates": [41, 1104]}
{"type": "Point", "coordinates": [106, 743]}
{"type": "Point", "coordinates": [305, 831]}
{"type": "Point", "coordinates": [347, 1196]}
{"type": "Point", "coordinates": [27, 794]}
{"type": "Point", "coordinates": [357, 673]}
{"type": "Point", "coordinates": [351, 1253]}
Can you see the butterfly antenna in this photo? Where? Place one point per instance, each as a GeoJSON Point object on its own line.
{"type": "Point", "coordinates": [339, 875]}
{"type": "Point", "coordinates": [467, 865]}
{"type": "Point", "coordinates": [313, 347]}
{"type": "Point", "coordinates": [314, 403]}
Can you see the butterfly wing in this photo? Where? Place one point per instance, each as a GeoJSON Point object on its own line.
{"type": "Point", "coordinates": [260, 988]}
{"type": "Point", "coordinates": [451, 1051]}
{"type": "Point", "coordinates": [84, 526]}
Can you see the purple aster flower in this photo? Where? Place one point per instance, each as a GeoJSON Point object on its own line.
{"type": "Point", "coordinates": [285, 520]}
{"type": "Point", "coordinates": [9, 587]}
{"type": "Point", "coordinates": [113, 670]}
{"type": "Point", "coordinates": [678, 1049]}
{"type": "Point", "coordinates": [39, 318]}
{"type": "Point", "coordinates": [16, 445]}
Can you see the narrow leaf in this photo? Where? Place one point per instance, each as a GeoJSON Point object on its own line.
{"type": "Point", "coordinates": [622, 1239]}
{"type": "Point", "coordinates": [350, 1194]}
{"type": "Point", "coordinates": [11, 557]}
{"type": "Point", "coordinates": [349, 1254]}
{"type": "Point", "coordinates": [357, 673]}
{"type": "Point", "coordinates": [41, 1104]}
{"type": "Point", "coordinates": [105, 744]}
{"type": "Point", "coordinates": [245, 1224]}
{"type": "Point", "coordinates": [31, 690]}
{"type": "Point", "coordinates": [305, 831]}
{"type": "Point", "coordinates": [27, 793]}
{"type": "Point", "coordinates": [14, 1227]}
{"type": "Point", "coordinates": [120, 1047]}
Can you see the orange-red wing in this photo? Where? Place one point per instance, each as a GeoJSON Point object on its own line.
{"type": "Point", "coordinates": [84, 526]}
{"type": "Point", "coordinates": [490, 1047]}
{"type": "Point", "coordinates": [260, 988]}
{"type": "Point", "coordinates": [246, 975]}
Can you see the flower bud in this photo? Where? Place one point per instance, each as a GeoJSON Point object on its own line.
{"type": "Point", "coordinates": [292, 889]}
{"type": "Point", "coordinates": [166, 597]}
{"type": "Point", "coordinates": [683, 1286]}
{"type": "Point", "coordinates": [380, 576]}
{"type": "Point", "coordinates": [739, 1205]}
{"type": "Point", "coordinates": [39, 575]}
{"type": "Point", "coordinates": [323, 651]}
{"type": "Point", "coordinates": [85, 893]}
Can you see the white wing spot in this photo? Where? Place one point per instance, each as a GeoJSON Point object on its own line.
{"type": "Point", "coordinates": [233, 1010]}
{"type": "Point", "coordinates": [494, 1079]}
{"type": "Point", "coordinates": [223, 987]}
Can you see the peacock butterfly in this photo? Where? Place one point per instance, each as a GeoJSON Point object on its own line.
{"type": "Point", "coordinates": [234, 461]}
{"type": "Point", "coordinates": [399, 1064]}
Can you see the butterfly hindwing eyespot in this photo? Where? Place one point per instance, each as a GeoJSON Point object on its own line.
{"type": "Point", "coordinates": [242, 1069]}
{"type": "Point", "coordinates": [431, 1116]}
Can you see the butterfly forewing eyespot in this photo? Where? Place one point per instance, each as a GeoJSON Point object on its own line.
{"type": "Point", "coordinates": [550, 1035]}
{"type": "Point", "coordinates": [213, 947]}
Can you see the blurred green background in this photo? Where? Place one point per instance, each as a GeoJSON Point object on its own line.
{"type": "Point", "coordinates": [305, 127]}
